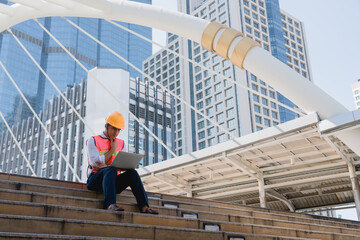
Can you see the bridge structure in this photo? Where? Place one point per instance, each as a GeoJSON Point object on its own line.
{"type": "Point", "coordinates": [310, 162]}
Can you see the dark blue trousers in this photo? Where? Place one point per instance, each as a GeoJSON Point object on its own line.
{"type": "Point", "coordinates": [107, 181]}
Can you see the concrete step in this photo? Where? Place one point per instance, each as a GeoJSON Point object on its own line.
{"type": "Point", "coordinates": [71, 227]}
{"type": "Point", "coordinates": [36, 236]}
{"type": "Point", "coordinates": [39, 180]}
{"type": "Point", "coordinates": [282, 228]}
{"type": "Point", "coordinates": [202, 211]}
{"type": "Point", "coordinates": [125, 196]}
{"type": "Point", "coordinates": [59, 209]}
{"type": "Point", "coordinates": [79, 189]}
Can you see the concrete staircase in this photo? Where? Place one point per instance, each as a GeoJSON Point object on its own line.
{"type": "Point", "coordinates": [36, 208]}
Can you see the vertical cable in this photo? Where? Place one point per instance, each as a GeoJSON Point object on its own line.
{"type": "Point", "coordinates": [108, 91]}
{"type": "Point", "coordinates": [51, 81]}
{"type": "Point", "coordinates": [17, 144]}
{"type": "Point", "coordinates": [156, 83]}
{"type": "Point", "coordinates": [42, 125]}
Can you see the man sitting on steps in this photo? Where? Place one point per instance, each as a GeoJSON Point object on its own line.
{"type": "Point", "coordinates": [102, 150]}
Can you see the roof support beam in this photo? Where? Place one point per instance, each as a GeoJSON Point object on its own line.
{"type": "Point", "coordinates": [276, 185]}
{"type": "Point", "coordinates": [243, 167]}
{"type": "Point", "coordinates": [166, 182]}
{"type": "Point", "coordinates": [282, 198]}
{"type": "Point", "coordinates": [336, 149]}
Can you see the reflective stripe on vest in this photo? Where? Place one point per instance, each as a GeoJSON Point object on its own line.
{"type": "Point", "coordinates": [104, 145]}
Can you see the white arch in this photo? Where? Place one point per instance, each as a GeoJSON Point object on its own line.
{"type": "Point", "coordinates": [226, 42]}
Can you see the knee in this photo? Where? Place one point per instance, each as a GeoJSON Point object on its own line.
{"type": "Point", "coordinates": [133, 173]}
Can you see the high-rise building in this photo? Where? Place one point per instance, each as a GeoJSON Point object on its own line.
{"type": "Point", "coordinates": [236, 109]}
{"type": "Point", "coordinates": [150, 105]}
{"type": "Point", "coordinates": [356, 93]}
{"type": "Point", "coordinates": [58, 65]}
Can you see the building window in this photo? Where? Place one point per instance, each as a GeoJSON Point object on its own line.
{"type": "Point", "coordinates": [228, 92]}
{"type": "Point", "coordinates": [255, 16]}
{"type": "Point", "coordinates": [274, 114]}
{"type": "Point", "coordinates": [264, 101]}
{"type": "Point", "coordinates": [210, 131]}
{"type": "Point", "coordinates": [208, 101]}
{"type": "Point", "coordinates": [222, 17]}
{"type": "Point", "coordinates": [201, 145]}
{"type": "Point", "coordinates": [220, 117]}
{"type": "Point", "coordinates": [231, 123]}
{"type": "Point", "coordinates": [229, 102]}
{"type": "Point", "coordinates": [263, 91]}
{"type": "Point", "coordinates": [273, 105]}
{"type": "Point", "coordinates": [253, 77]}
{"type": "Point", "coordinates": [219, 107]}
{"type": "Point", "coordinates": [248, 30]}
{"type": "Point", "coordinates": [218, 97]}
{"type": "Point", "coordinates": [258, 119]}
{"type": "Point", "coordinates": [217, 87]}
{"type": "Point", "coordinates": [230, 112]}
{"type": "Point", "coordinates": [222, 138]}
{"type": "Point", "coordinates": [267, 122]}
{"type": "Point", "coordinates": [211, 142]}
{"type": "Point", "coordinates": [272, 94]}
{"type": "Point", "coordinates": [209, 111]}
{"type": "Point", "coordinates": [246, 11]}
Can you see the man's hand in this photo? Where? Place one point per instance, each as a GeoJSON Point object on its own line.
{"type": "Point", "coordinates": [114, 144]}
{"type": "Point", "coordinates": [99, 165]}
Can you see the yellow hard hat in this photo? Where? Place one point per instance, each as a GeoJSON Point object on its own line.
{"type": "Point", "coordinates": [116, 120]}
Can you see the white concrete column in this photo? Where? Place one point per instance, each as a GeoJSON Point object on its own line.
{"type": "Point", "coordinates": [189, 191]}
{"type": "Point", "coordinates": [355, 188]}
{"type": "Point", "coordinates": [262, 193]}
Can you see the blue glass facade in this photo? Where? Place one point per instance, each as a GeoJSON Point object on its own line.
{"type": "Point", "coordinates": [58, 65]}
{"type": "Point", "coordinates": [278, 50]}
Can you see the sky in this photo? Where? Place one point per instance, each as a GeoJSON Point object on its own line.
{"type": "Point", "coordinates": [332, 29]}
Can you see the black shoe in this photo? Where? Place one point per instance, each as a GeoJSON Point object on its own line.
{"type": "Point", "coordinates": [115, 208]}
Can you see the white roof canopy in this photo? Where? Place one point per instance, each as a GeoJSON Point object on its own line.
{"type": "Point", "coordinates": [301, 167]}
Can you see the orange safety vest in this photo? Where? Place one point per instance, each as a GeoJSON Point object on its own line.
{"type": "Point", "coordinates": [104, 145]}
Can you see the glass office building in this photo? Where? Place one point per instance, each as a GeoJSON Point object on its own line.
{"type": "Point", "coordinates": [234, 108]}
{"type": "Point", "coordinates": [61, 68]}
{"type": "Point", "coordinates": [150, 105]}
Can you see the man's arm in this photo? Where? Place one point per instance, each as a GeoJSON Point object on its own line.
{"type": "Point", "coordinates": [93, 152]}
{"type": "Point", "coordinates": [95, 160]}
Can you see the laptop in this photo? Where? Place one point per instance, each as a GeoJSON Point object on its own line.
{"type": "Point", "coordinates": [125, 160]}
